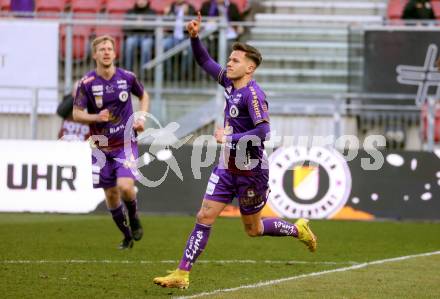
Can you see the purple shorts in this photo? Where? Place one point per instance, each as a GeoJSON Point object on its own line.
{"type": "Point", "coordinates": [251, 191]}
{"type": "Point", "coordinates": [108, 166]}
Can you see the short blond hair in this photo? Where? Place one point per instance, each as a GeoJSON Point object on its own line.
{"type": "Point", "coordinates": [101, 39]}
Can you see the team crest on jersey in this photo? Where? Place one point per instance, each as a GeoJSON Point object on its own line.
{"type": "Point", "coordinates": [98, 101]}
{"type": "Point", "coordinates": [233, 111]}
{"type": "Point", "coordinates": [123, 96]}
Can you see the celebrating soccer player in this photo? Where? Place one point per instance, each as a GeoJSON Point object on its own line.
{"type": "Point", "coordinates": [103, 100]}
{"type": "Point", "coordinates": [242, 171]}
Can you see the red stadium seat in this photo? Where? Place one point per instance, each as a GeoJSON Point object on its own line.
{"type": "Point", "coordinates": [119, 6]}
{"type": "Point", "coordinates": [50, 5]}
{"type": "Point", "coordinates": [115, 32]}
{"type": "Point", "coordinates": [436, 9]}
{"type": "Point", "coordinates": [160, 5]}
{"type": "Point", "coordinates": [241, 5]}
{"type": "Point", "coordinates": [86, 7]}
{"type": "Point", "coordinates": [395, 9]}
{"type": "Point", "coordinates": [5, 5]}
{"type": "Point", "coordinates": [80, 44]}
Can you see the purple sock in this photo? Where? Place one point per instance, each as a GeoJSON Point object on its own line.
{"type": "Point", "coordinates": [278, 227]}
{"type": "Point", "coordinates": [195, 245]}
{"type": "Point", "coordinates": [120, 218]}
{"type": "Point", "coordinates": [131, 206]}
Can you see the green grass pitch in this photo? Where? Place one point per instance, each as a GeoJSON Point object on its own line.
{"type": "Point", "coordinates": [75, 256]}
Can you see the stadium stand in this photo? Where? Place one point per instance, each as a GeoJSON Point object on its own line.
{"type": "Point", "coordinates": [313, 52]}
{"type": "Point", "coordinates": [395, 9]}
{"type": "Point", "coordinates": [81, 38]}
{"type": "Point", "coordinates": [436, 8]}
{"type": "Point", "coordinates": [50, 6]}
{"type": "Point", "coordinates": [5, 5]}
{"type": "Point", "coordinates": [306, 48]}
{"type": "Point", "coordinates": [79, 7]}
{"type": "Point", "coordinates": [118, 7]}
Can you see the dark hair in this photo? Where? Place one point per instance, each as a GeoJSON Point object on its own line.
{"type": "Point", "coordinates": [251, 52]}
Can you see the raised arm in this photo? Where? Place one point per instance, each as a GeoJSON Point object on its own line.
{"type": "Point", "coordinates": [202, 57]}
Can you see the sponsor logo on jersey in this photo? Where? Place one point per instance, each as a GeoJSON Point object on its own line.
{"type": "Point", "coordinates": [214, 178]}
{"type": "Point", "coordinates": [122, 84]}
{"type": "Point", "coordinates": [255, 104]}
{"type": "Point", "coordinates": [123, 96]}
{"type": "Point", "coordinates": [98, 101]}
{"type": "Point", "coordinates": [210, 188]}
{"type": "Point", "coordinates": [96, 88]}
{"type": "Point", "coordinates": [237, 98]}
{"type": "Point", "coordinates": [308, 182]}
{"type": "Point", "coordinates": [109, 89]}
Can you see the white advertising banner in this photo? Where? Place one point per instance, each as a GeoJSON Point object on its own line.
{"type": "Point", "coordinates": [28, 59]}
{"type": "Point", "coordinates": [47, 176]}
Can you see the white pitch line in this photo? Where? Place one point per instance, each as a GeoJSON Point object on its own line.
{"type": "Point", "coordinates": [276, 281]}
{"type": "Point", "coordinates": [171, 262]}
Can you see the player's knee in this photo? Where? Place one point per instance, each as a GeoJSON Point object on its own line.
{"type": "Point", "coordinates": [112, 194]}
{"type": "Point", "coordinates": [126, 190]}
{"type": "Point", "coordinates": [204, 218]}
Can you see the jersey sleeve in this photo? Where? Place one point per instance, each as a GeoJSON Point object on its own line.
{"type": "Point", "coordinates": [257, 106]}
{"type": "Point", "coordinates": [215, 70]}
{"type": "Point", "coordinates": [136, 87]}
{"type": "Point", "coordinates": [81, 95]}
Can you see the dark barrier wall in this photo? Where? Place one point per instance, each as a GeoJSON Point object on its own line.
{"type": "Point", "coordinates": [385, 50]}
{"type": "Point", "coordinates": [405, 187]}
{"type": "Point", "coordinates": [409, 191]}
{"type": "Point", "coordinates": [174, 196]}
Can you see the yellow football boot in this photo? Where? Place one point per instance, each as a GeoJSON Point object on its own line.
{"type": "Point", "coordinates": [176, 279]}
{"type": "Point", "coordinates": [305, 234]}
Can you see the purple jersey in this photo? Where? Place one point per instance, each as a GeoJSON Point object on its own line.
{"type": "Point", "coordinates": [96, 94]}
{"type": "Point", "coordinates": [245, 108]}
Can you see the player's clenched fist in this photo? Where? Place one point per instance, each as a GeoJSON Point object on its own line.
{"type": "Point", "coordinates": [193, 26]}
{"type": "Point", "coordinates": [103, 115]}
